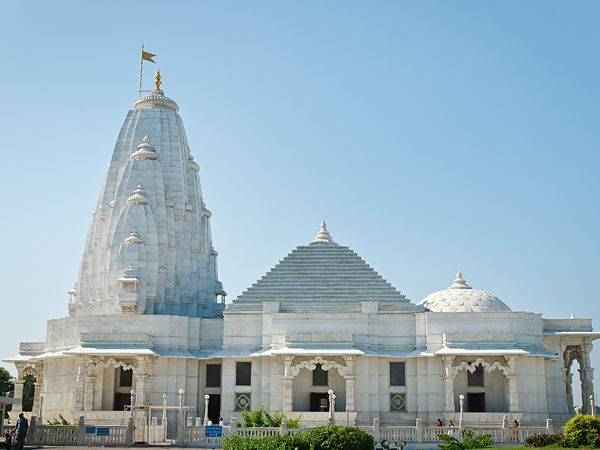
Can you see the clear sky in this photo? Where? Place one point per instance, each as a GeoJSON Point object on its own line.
{"type": "Point", "coordinates": [432, 137]}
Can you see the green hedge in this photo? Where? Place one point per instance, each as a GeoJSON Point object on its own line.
{"type": "Point", "coordinates": [330, 437]}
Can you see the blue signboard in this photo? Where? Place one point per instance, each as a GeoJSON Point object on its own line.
{"type": "Point", "coordinates": [213, 431]}
{"type": "Point", "coordinates": [90, 430]}
{"type": "Point", "coordinates": [102, 431]}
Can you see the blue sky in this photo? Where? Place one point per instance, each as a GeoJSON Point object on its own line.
{"type": "Point", "coordinates": [432, 137]}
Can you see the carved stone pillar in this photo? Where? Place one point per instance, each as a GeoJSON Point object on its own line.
{"type": "Point", "coordinates": [568, 389]}
{"type": "Point", "coordinates": [78, 397]}
{"type": "Point", "coordinates": [448, 384]}
{"type": "Point", "coordinates": [349, 378]}
{"type": "Point", "coordinates": [288, 383]}
{"type": "Point", "coordinates": [37, 388]}
{"type": "Point", "coordinates": [513, 387]}
{"type": "Point", "coordinates": [143, 379]}
{"type": "Point", "coordinates": [587, 380]}
{"type": "Point", "coordinates": [19, 381]}
{"type": "Point", "coordinates": [88, 392]}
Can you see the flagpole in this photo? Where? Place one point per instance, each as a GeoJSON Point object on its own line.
{"type": "Point", "coordinates": [141, 68]}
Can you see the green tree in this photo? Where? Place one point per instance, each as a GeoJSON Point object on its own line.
{"type": "Point", "coordinates": [7, 385]}
{"type": "Point", "coordinates": [28, 388]}
{"type": "Point", "coordinates": [6, 382]}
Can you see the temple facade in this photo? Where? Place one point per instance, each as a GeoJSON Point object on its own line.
{"type": "Point", "coordinates": [147, 317]}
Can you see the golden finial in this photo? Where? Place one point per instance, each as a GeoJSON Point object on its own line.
{"type": "Point", "coordinates": [157, 81]}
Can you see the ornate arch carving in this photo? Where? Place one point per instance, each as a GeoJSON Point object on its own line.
{"type": "Point", "coordinates": [111, 362]}
{"type": "Point", "coordinates": [31, 370]}
{"type": "Point", "coordinates": [326, 364]}
{"type": "Point", "coordinates": [471, 367]}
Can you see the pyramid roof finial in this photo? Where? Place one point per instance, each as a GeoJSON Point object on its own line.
{"type": "Point", "coordinates": [323, 235]}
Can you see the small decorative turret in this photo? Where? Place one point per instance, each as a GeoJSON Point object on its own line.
{"type": "Point", "coordinates": [133, 238]}
{"type": "Point", "coordinates": [145, 150]}
{"type": "Point", "coordinates": [138, 197]}
{"type": "Point", "coordinates": [323, 235]}
{"type": "Point", "coordinates": [459, 283]}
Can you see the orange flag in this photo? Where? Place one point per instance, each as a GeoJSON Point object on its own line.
{"type": "Point", "coordinates": [148, 56]}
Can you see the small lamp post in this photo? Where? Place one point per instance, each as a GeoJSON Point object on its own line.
{"type": "Point", "coordinates": [164, 415]}
{"type": "Point", "coordinates": [131, 401]}
{"type": "Point", "coordinates": [206, 399]}
{"type": "Point", "coordinates": [331, 406]}
{"type": "Point", "coordinates": [181, 392]}
{"type": "Point", "coordinates": [591, 406]}
{"type": "Point", "coordinates": [461, 402]}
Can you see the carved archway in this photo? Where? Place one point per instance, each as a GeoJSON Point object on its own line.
{"type": "Point", "coordinates": [571, 354]}
{"type": "Point", "coordinates": [488, 367]}
{"type": "Point", "coordinates": [111, 362]}
{"type": "Point", "coordinates": [311, 364]}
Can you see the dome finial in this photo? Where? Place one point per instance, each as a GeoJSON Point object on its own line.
{"type": "Point", "coordinates": [157, 81]}
{"type": "Point", "coordinates": [459, 283]}
{"type": "Point", "coordinates": [323, 235]}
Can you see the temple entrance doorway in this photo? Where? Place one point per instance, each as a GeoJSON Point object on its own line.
{"type": "Point", "coordinates": [121, 400]}
{"type": "Point", "coordinates": [319, 401]}
{"type": "Point", "coordinates": [214, 408]}
{"type": "Point", "coordinates": [476, 402]}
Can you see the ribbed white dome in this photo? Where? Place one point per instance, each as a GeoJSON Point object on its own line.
{"type": "Point", "coordinates": [460, 297]}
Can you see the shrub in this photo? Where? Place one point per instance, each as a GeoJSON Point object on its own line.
{"type": "Point", "coordinates": [60, 421]}
{"type": "Point", "coordinates": [338, 437]}
{"type": "Point", "coordinates": [261, 418]}
{"type": "Point", "coordinates": [469, 441]}
{"type": "Point", "coordinates": [582, 430]}
{"type": "Point", "coordinates": [289, 442]}
{"type": "Point", "coordinates": [542, 440]}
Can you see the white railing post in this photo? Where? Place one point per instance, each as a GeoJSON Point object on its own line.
{"type": "Point", "coordinates": [592, 408]}
{"type": "Point", "coordinates": [129, 436]}
{"type": "Point", "coordinates": [505, 428]}
{"type": "Point", "coordinates": [284, 428]}
{"type": "Point", "coordinates": [419, 430]}
{"type": "Point", "coordinates": [376, 431]}
{"type": "Point", "coordinates": [32, 430]}
{"type": "Point", "coordinates": [81, 431]}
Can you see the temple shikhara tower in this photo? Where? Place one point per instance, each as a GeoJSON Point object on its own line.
{"type": "Point", "coordinates": [148, 314]}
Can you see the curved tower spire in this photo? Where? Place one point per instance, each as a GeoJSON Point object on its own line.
{"type": "Point", "coordinates": [149, 248]}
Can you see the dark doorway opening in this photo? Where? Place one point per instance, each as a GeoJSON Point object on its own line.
{"type": "Point", "coordinates": [319, 401]}
{"type": "Point", "coordinates": [121, 400]}
{"type": "Point", "coordinates": [476, 402]}
{"type": "Point", "coordinates": [214, 408]}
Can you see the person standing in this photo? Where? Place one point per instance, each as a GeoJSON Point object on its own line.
{"type": "Point", "coordinates": [21, 431]}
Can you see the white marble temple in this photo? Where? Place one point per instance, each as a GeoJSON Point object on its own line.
{"type": "Point", "coordinates": [147, 313]}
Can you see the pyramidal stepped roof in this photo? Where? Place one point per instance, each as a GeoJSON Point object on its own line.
{"type": "Point", "coordinates": [322, 276]}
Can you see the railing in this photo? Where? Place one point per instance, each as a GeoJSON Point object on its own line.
{"type": "Point", "coordinates": [497, 433]}
{"type": "Point", "coordinates": [522, 433]}
{"type": "Point", "coordinates": [190, 433]}
{"type": "Point", "coordinates": [406, 434]}
{"type": "Point", "coordinates": [110, 435]}
{"type": "Point", "coordinates": [53, 434]}
{"type": "Point", "coordinates": [79, 434]}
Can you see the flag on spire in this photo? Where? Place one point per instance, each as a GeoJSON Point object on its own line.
{"type": "Point", "coordinates": [148, 56]}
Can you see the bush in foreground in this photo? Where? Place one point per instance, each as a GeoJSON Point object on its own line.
{"type": "Point", "coordinates": [583, 430]}
{"type": "Point", "coordinates": [330, 437]}
{"type": "Point", "coordinates": [469, 440]}
{"type": "Point", "coordinates": [339, 437]}
{"type": "Point", "coordinates": [542, 440]}
{"type": "Point", "coordinates": [288, 442]}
